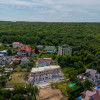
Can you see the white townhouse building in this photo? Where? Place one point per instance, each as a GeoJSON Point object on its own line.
{"type": "Point", "coordinates": [45, 74]}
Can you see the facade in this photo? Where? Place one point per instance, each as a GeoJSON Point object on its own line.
{"type": "Point", "coordinates": [93, 94]}
{"type": "Point", "coordinates": [25, 61]}
{"type": "Point", "coordinates": [17, 44]}
{"type": "Point", "coordinates": [43, 62]}
{"type": "Point", "coordinates": [26, 51]}
{"type": "Point", "coordinates": [63, 50]}
{"type": "Point", "coordinates": [50, 49]}
{"type": "Point", "coordinates": [93, 76]}
{"type": "Point", "coordinates": [45, 74]}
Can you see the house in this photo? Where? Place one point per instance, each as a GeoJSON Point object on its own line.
{"type": "Point", "coordinates": [25, 61]}
{"type": "Point", "coordinates": [45, 74]}
{"type": "Point", "coordinates": [40, 47]}
{"type": "Point", "coordinates": [41, 62]}
{"type": "Point", "coordinates": [16, 60]}
{"type": "Point", "coordinates": [93, 76]}
{"type": "Point", "coordinates": [6, 60]}
{"type": "Point", "coordinates": [26, 51]}
{"type": "Point", "coordinates": [92, 94]}
{"type": "Point", "coordinates": [50, 49]}
{"type": "Point", "coordinates": [17, 44]}
{"type": "Point", "coordinates": [8, 69]}
{"type": "Point", "coordinates": [63, 50]}
{"type": "Point", "coordinates": [4, 52]}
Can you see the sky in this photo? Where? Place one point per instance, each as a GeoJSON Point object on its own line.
{"type": "Point", "coordinates": [50, 10]}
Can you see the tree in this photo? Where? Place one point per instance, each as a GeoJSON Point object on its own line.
{"type": "Point", "coordinates": [36, 50]}
{"type": "Point", "coordinates": [31, 64]}
{"type": "Point", "coordinates": [15, 63]}
{"type": "Point", "coordinates": [28, 68]}
{"type": "Point", "coordinates": [87, 84]}
{"type": "Point", "coordinates": [9, 52]}
{"type": "Point", "coordinates": [17, 97]}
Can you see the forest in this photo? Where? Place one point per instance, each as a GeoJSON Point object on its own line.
{"type": "Point", "coordinates": [84, 38]}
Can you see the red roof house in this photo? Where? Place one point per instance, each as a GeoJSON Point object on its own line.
{"type": "Point", "coordinates": [26, 51]}
{"type": "Point", "coordinates": [17, 44]}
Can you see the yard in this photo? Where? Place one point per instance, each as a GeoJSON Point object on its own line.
{"type": "Point", "coordinates": [17, 79]}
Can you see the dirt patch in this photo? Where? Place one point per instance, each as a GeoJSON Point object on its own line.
{"type": "Point", "coordinates": [49, 94]}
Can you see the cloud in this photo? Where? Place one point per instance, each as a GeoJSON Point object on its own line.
{"type": "Point", "coordinates": [52, 8]}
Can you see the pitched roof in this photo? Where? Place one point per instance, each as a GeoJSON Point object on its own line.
{"type": "Point", "coordinates": [95, 94]}
{"type": "Point", "coordinates": [17, 43]}
{"type": "Point", "coordinates": [39, 46]}
{"type": "Point", "coordinates": [92, 72]}
{"type": "Point", "coordinates": [16, 59]}
{"type": "Point", "coordinates": [26, 48]}
{"type": "Point", "coordinates": [25, 59]}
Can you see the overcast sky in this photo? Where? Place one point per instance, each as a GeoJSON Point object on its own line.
{"type": "Point", "coordinates": [50, 10]}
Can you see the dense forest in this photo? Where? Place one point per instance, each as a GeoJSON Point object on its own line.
{"type": "Point", "coordinates": [86, 35]}
{"type": "Point", "coordinates": [84, 38]}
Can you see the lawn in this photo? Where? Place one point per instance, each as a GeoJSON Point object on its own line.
{"type": "Point", "coordinates": [48, 55]}
{"type": "Point", "coordinates": [17, 79]}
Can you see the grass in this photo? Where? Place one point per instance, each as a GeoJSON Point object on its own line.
{"type": "Point", "coordinates": [17, 79]}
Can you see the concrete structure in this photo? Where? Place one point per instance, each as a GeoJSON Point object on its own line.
{"type": "Point", "coordinates": [63, 50]}
{"type": "Point", "coordinates": [25, 61]}
{"type": "Point", "coordinates": [26, 51]}
{"type": "Point", "coordinates": [50, 49]}
{"type": "Point", "coordinates": [45, 74]}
